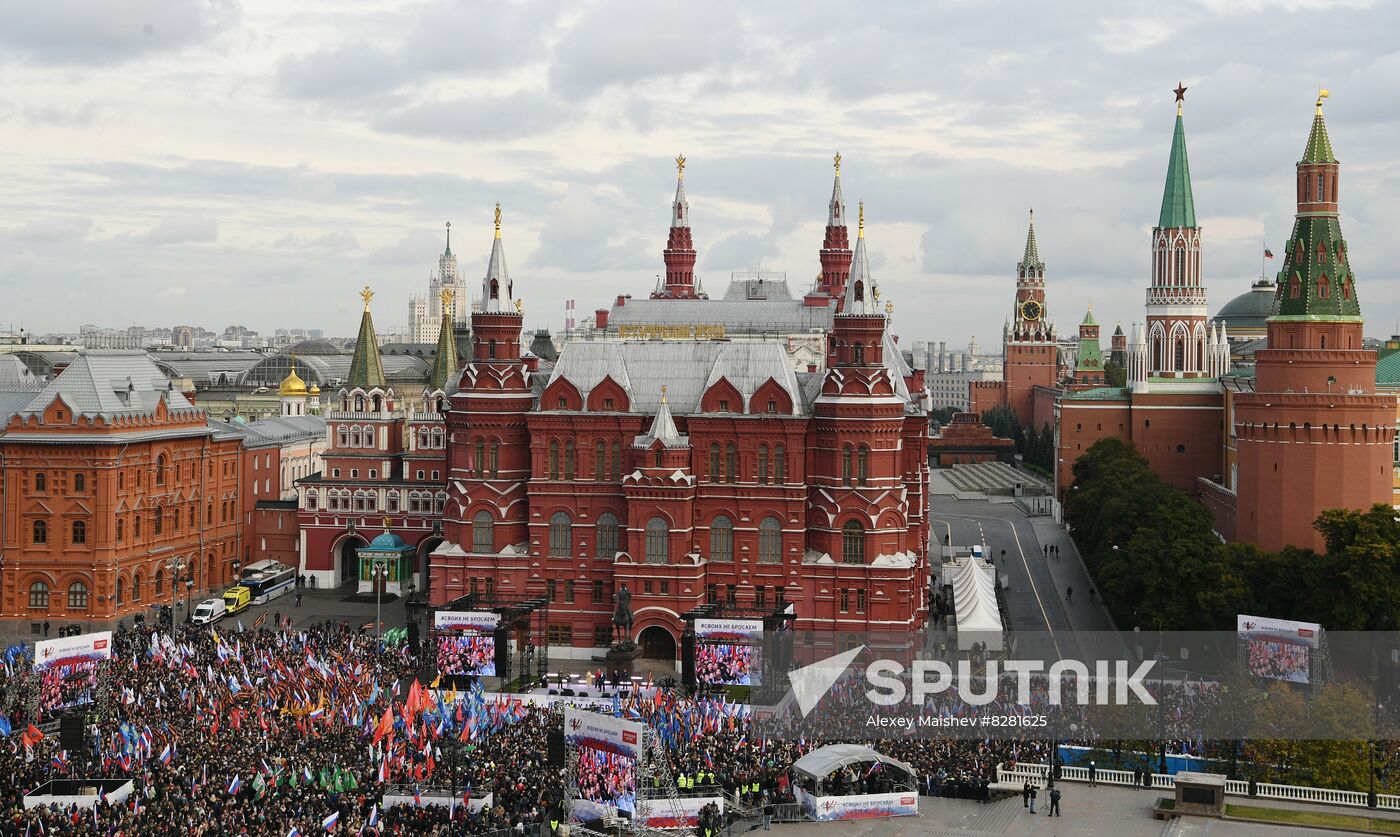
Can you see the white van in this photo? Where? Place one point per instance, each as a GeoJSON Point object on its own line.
{"type": "Point", "coordinates": [209, 611]}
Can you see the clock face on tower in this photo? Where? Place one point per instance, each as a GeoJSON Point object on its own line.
{"type": "Point", "coordinates": [1031, 310]}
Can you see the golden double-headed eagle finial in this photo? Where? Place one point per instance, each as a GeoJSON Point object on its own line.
{"type": "Point", "coordinates": [519, 306]}
{"type": "Point", "coordinates": [680, 166]}
{"type": "Point", "coordinates": [366, 295]}
{"type": "Point", "coordinates": [838, 163]}
{"type": "Point", "coordinates": [498, 219]}
{"type": "Point", "coordinates": [447, 295]}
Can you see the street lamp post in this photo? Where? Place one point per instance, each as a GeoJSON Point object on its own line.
{"type": "Point", "coordinates": [379, 572]}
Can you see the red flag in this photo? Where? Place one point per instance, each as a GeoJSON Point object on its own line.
{"type": "Point", "coordinates": [415, 698]}
{"type": "Point", "coordinates": [32, 736]}
{"type": "Point", "coordinates": [385, 724]}
{"type": "Point", "coordinates": [1268, 254]}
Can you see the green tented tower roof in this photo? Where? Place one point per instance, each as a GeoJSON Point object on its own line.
{"type": "Point", "coordinates": [1319, 147]}
{"type": "Point", "coordinates": [445, 362]}
{"type": "Point", "coordinates": [366, 367]}
{"type": "Point", "coordinates": [1178, 207]}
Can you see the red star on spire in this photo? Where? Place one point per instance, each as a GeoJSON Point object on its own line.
{"type": "Point", "coordinates": [1180, 91]}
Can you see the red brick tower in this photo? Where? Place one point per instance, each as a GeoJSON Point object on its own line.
{"type": "Point", "coordinates": [856, 471]}
{"type": "Point", "coordinates": [1176, 299]}
{"type": "Point", "coordinates": [1029, 352]}
{"type": "Point", "coordinates": [680, 251]}
{"type": "Point", "coordinates": [836, 245]}
{"type": "Point", "coordinates": [486, 521]}
{"type": "Point", "coordinates": [1313, 435]}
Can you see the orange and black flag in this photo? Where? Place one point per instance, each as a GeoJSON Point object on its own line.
{"type": "Point", "coordinates": [258, 623]}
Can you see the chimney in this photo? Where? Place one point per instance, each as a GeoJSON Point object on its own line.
{"type": "Point", "coordinates": [600, 318]}
{"type": "Point", "coordinates": [621, 301]}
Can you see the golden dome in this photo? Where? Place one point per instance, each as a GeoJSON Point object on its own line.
{"type": "Point", "coordinates": [292, 385]}
{"type": "Point", "coordinates": [315, 390]}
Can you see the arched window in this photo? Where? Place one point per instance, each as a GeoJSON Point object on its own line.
{"type": "Point", "coordinates": [1295, 288]}
{"type": "Point", "coordinates": [554, 459]}
{"type": "Point", "coordinates": [158, 520]}
{"type": "Point", "coordinates": [41, 531]}
{"type": "Point", "coordinates": [658, 544]}
{"type": "Point", "coordinates": [39, 595]}
{"type": "Point", "coordinates": [731, 463]}
{"type": "Point", "coordinates": [160, 469]}
{"type": "Point", "coordinates": [569, 470]}
{"type": "Point", "coordinates": [479, 456]}
{"type": "Point", "coordinates": [616, 472]}
{"type": "Point", "coordinates": [311, 499]}
{"type": "Point", "coordinates": [862, 465]}
{"type": "Point", "coordinates": [858, 353]}
{"type": "Point", "coordinates": [121, 589]}
{"type": "Point", "coordinates": [853, 543]}
{"type": "Point", "coordinates": [1180, 265]}
{"type": "Point", "coordinates": [77, 596]}
{"type": "Point", "coordinates": [121, 528]}
{"type": "Point", "coordinates": [714, 461]}
{"type": "Point", "coordinates": [41, 482]}
{"type": "Point", "coordinates": [136, 527]}
{"type": "Point", "coordinates": [722, 539]}
{"type": "Point", "coordinates": [1324, 287]}
{"type": "Point", "coordinates": [763, 464]}
{"type": "Point", "coordinates": [600, 461]}
{"type": "Point", "coordinates": [561, 535]}
{"type": "Point", "coordinates": [846, 465]}
{"type": "Point", "coordinates": [79, 482]}
{"type": "Point", "coordinates": [1180, 354]}
{"type": "Point", "coordinates": [779, 464]}
{"type": "Point", "coordinates": [79, 532]}
{"type": "Point", "coordinates": [483, 532]}
{"type": "Point", "coordinates": [770, 541]}
{"type": "Point", "coordinates": [491, 347]}
{"type": "Point", "coordinates": [607, 536]}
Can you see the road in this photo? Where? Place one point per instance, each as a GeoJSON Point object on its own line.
{"type": "Point", "coordinates": [1035, 586]}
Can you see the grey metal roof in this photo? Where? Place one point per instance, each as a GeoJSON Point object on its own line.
{"type": "Point", "coordinates": [12, 402]}
{"type": "Point", "coordinates": [757, 285]}
{"type": "Point", "coordinates": [15, 376]}
{"type": "Point", "coordinates": [687, 368]}
{"type": "Point", "coordinates": [275, 429]}
{"type": "Point", "coordinates": [331, 370]}
{"type": "Point", "coordinates": [110, 383]}
{"type": "Point", "coordinates": [743, 316]}
{"type": "Point", "coordinates": [207, 369]}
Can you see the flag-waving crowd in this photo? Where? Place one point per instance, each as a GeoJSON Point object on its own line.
{"type": "Point", "coordinates": [301, 732]}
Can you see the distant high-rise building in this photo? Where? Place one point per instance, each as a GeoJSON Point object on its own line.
{"type": "Point", "coordinates": [424, 315]}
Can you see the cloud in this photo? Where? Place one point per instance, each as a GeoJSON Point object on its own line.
{"type": "Point", "coordinates": [183, 229]}
{"type": "Point", "coordinates": [328, 243]}
{"type": "Point", "coordinates": [49, 229]}
{"type": "Point", "coordinates": [501, 118]}
{"type": "Point", "coordinates": [111, 31]}
{"type": "Point", "coordinates": [347, 72]}
{"type": "Point", "coordinates": [739, 251]}
{"type": "Point", "coordinates": [416, 248]}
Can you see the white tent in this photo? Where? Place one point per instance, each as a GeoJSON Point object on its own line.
{"type": "Point", "coordinates": [975, 605]}
{"type": "Point", "coordinates": [819, 763]}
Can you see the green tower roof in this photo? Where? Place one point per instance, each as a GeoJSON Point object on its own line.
{"type": "Point", "coordinates": [1316, 282]}
{"type": "Point", "coordinates": [1031, 258]}
{"type": "Point", "coordinates": [445, 363]}
{"type": "Point", "coordinates": [1089, 318]}
{"type": "Point", "coordinates": [366, 367]}
{"type": "Point", "coordinates": [1319, 147]}
{"type": "Point", "coordinates": [1178, 207]}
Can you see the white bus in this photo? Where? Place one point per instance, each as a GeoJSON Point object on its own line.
{"type": "Point", "coordinates": [269, 579]}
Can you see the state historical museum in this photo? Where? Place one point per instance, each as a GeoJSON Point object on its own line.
{"type": "Point", "coordinates": [691, 470]}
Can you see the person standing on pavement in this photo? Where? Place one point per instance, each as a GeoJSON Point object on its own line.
{"type": "Point", "coordinates": [1032, 799]}
{"type": "Point", "coordinates": [1054, 803]}
{"type": "Point", "coordinates": [1093, 771]}
{"type": "Point", "coordinates": [1069, 594]}
{"type": "Point", "coordinates": [1026, 794]}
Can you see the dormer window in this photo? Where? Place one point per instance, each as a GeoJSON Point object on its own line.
{"type": "Point", "coordinates": [772, 406]}
{"type": "Point", "coordinates": [724, 405]}
{"type": "Point", "coordinates": [1324, 287]}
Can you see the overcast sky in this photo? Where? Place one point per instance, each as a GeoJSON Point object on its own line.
{"type": "Point", "coordinates": [212, 162]}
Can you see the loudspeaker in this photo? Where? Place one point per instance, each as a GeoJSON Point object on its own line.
{"type": "Point", "coordinates": [501, 638]}
{"type": "Point", "coordinates": [555, 747]}
{"type": "Point", "coordinates": [70, 731]}
{"type": "Point", "coordinates": [688, 660]}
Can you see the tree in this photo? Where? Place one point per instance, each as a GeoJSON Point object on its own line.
{"type": "Point", "coordinates": [1114, 375]}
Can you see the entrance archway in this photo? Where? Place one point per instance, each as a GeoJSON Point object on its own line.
{"type": "Point", "coordinates": [423, 578]}
{"type": "Point", "coordinates": [349, 561]}
{"type": "Point", "coordinates": [657, 643]}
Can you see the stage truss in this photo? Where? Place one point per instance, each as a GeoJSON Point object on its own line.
{"type": "Point", "coordinates": [652, 765]}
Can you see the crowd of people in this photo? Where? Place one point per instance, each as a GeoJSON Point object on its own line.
{"type": "Point", "coordinates": [725, 664]}
{"type": "Point", "coordinates": [261, 731]}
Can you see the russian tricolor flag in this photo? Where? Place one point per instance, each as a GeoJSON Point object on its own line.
{"type": "Point", "coordinates": [166, 754]}
{"type": "Point", "coordinates": [374, 816]}
{"type": "Point", "coordinates": [295, 832]}
{"type": "Point", "coordinates": [330, 821]}
{"type": "Point", "coordinates": [235, 785]}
